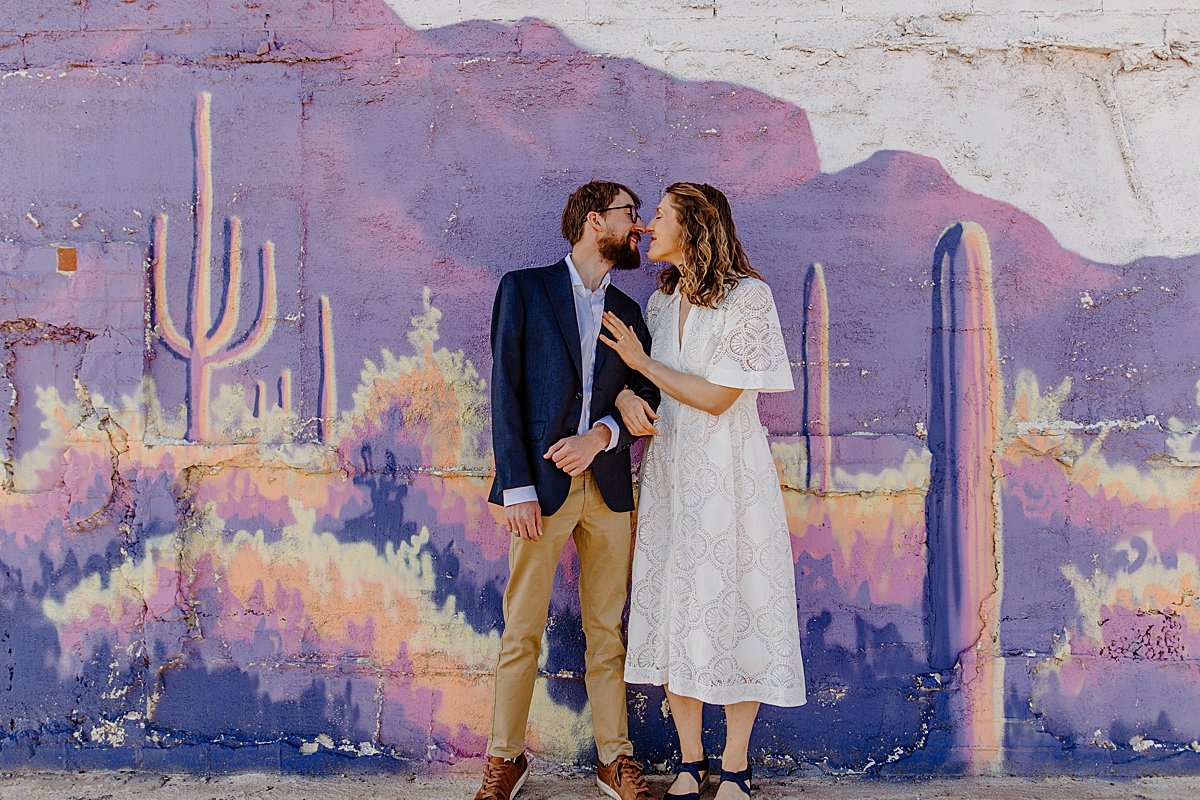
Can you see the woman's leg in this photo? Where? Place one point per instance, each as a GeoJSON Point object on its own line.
{"type": "Point", "coordinates": [687, 713]}
{"type": "Point", "coordinates": [739, 722]}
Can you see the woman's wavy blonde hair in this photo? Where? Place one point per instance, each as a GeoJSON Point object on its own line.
{"type": "Point", "coordinates": [714, 257]}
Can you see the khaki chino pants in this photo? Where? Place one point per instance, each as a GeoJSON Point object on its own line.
{"type": "Point", "coordinates": [602, 539]}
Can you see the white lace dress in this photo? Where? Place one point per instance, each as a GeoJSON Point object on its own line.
{"type": "Point", "coordinates": [713, 605]}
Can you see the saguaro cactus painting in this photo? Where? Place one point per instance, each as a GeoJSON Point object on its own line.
{"type": "Point", "coordinates": [816, 381]}
{"type": "Point", "coordinates": [208, 344]}
{"type": "Point", "coordinates": [964, 582]}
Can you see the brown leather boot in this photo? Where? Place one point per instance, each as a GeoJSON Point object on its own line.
{"type": "Point", "coordinates": [502, 779]}
{"type": "Point", "coordinates": [623, 779]}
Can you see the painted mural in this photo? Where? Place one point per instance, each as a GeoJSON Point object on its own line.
{"type": "Point", "coordinates": [246, 292]}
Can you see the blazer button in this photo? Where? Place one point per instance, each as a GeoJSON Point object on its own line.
{"type": "Point", "coordinates": [579, 395]}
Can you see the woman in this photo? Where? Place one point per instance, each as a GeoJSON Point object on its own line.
{"type": "Point", "coordinates": [713, 606]}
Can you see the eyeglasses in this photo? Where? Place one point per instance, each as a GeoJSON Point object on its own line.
{"type": "Point", "coordinates": [630, 209]}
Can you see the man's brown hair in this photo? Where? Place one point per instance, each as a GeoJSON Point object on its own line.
{"type": "Point", "coordinates": [592, 196]}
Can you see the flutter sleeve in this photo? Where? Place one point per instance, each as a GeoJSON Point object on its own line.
{"type": "Point", "coordinates": [751, 353]}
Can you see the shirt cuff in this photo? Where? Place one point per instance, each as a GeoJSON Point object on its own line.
{"type": "Point", "coordinates": [611, 424]}
{"type": "Point", "coordinates": [521, 494]}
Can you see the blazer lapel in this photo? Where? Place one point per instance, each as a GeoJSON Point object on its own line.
{"type": "Point", "coordinates": [603, 351]}
{"type": "Point", "coordinates": [558, 286]}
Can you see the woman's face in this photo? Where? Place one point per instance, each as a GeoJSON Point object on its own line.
{"type": "Point", "coordinates": [666, 234]}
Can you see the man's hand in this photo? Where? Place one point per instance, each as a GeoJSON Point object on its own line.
{"type": "Point", "coordinates": [636, 413]}
{"type": "Point", "coordinates": [574, 454]}
{"type": "Point", "coordinates": [524, 520]}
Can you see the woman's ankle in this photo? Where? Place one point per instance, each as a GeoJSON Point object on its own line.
{"type": "Point", "coordinates": [734, 763]}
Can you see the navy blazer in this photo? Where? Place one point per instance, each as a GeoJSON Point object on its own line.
{"type": "Point", "coordinates": [537, 386]}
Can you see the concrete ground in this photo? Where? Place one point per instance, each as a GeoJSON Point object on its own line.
{"type": "Point", "coordinates": [260, 786]}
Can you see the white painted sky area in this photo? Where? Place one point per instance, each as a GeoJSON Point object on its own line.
{"type": "Point", "coordinates": [1106, 159]}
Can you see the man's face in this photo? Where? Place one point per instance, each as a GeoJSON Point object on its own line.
{"type": "Point", "coordinates": [618, 242]}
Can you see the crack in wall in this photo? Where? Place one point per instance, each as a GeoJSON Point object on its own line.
{"type": "Point", "coordinates": [1105, 85]}
{"type": "Point", "coordinates": [121, 495]}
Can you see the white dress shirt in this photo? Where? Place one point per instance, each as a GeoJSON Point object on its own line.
{"type": "Point", "coordinates": [589, 308]}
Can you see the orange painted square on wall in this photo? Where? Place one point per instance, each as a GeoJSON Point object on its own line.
{"type": "Point", "coordinates": [68, 259]}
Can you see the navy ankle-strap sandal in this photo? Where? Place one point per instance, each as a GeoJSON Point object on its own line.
{"type": "Point", "coordinates": [742, 779]}
{"type": "Point", "coordinates": [693, 768]}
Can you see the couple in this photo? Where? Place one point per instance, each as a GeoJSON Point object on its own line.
{"type": "Point", "coordinates": [577, 376]}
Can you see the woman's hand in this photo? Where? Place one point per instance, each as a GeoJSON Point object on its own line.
{"type": "Point", "coordinates": [625, 342]}
{"type": "Point", "coordinates": [636, 413]}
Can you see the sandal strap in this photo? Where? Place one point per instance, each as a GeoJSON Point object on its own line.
{"type": "Point", "coordinates": [693, 768]}
{"type": "Point", "coordinates": [741, 778]}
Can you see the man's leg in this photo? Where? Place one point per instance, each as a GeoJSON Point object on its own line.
{"type": "Point", "coordinates": [603, 540]}
{"type": "Point", "coordinates": [531, 567]}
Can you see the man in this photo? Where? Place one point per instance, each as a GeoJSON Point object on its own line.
{"type": "Point", "coordinates": [562, 470]}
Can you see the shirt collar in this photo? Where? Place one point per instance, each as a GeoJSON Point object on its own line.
{"type": "Point", "coordinates": [577, 282]}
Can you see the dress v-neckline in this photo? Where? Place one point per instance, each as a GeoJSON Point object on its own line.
{"type": "Point", "coordinates": [681, 321]}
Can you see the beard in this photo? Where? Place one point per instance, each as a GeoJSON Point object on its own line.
{"type": "Point", "coordinates": [620, 254]}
